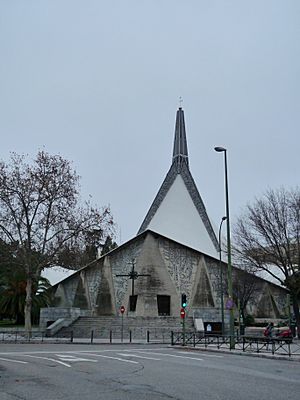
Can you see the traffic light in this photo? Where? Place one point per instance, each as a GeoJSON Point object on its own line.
{"type": "Point", "coordinates": [183, 300]}
{"type": "Point", "coordinates": [182, 313]}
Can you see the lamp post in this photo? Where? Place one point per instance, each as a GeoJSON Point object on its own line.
{"type": "Point", "coordinates": [221, 274]}
{"type": "Point", "coordinates": [230, 299]}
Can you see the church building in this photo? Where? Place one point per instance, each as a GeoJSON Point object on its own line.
{"type": "Point", "coordinates": [175, 252]}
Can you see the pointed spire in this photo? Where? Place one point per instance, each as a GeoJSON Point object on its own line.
{"type": "Point", "coordinates": [180, 150]}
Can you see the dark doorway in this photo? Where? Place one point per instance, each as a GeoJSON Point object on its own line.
{"type": "Point", "coordinates": [163, 305]}
{"type": "Point", "coordinates": [132, 302]}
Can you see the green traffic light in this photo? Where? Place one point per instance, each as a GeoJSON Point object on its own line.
{"type": "Point", "coordinates": [183, 300]}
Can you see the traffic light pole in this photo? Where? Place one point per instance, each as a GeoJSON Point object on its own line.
{"type": "Point", "coordinates": [183, 331]}
{"type": "Point", "coordinates": [183, 315]}
{"type": "Point", "coordinates": [122, 327]}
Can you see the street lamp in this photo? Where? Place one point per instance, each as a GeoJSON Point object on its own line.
{"type": "Point", "coordinates": [230, 299]}
{"type": "Point", "coordinates": [221, 273]}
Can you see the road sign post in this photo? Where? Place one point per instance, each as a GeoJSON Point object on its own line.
{"type": "Point", "coordinates": [122, 310]}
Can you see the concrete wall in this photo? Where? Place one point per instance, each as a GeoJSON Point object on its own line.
{"type": "Point", "coordinates": [172, 268]}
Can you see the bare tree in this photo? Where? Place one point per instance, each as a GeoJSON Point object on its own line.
{"type": "Point", "coordinates": [245, 287]}
{"type": "Point", "coordinates": [40, 209]}
{"type": "Point", "coordinates": [268, 236]}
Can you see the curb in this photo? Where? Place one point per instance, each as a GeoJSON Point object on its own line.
{"type": "Point", "coordinates": [244, 353]}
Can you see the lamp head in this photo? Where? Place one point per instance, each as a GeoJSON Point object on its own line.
{"type": "Point", "coordinates": [220, 149]}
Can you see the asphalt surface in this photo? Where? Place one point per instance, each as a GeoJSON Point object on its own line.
{"type": "Point", "coordinates": [140, 372]}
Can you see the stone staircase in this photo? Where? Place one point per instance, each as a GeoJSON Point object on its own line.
{"type": "Point", "coordinates": [104, 327]}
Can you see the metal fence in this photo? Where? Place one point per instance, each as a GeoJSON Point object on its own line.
{"type": "Point", "coordinates": [95, 336]}
{"type": "Point", "coordinates": [255, 344]}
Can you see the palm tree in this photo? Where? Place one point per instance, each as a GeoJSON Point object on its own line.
{"type": "Point", "coordinates": [13, 293]}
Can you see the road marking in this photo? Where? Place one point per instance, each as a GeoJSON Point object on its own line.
{"type": "Point", "coordinates": [49, 359]}
{"type": "Point", "coordinates": [73, 358]}
{"type": "Point", "coordinates": [137, 356]}
{"type": "Point", "coordinates": [16, 361]}
{"type": "Point", "coordinates": [71, 351]}
{"type": "Point", "coordinates": [52, 352]}
{"type": "Point", "coordinates": [204, 355]}
{"type": "Point", "coordinates": [173, 355]}
{"type": "Point", "coordinates": [113, 358]}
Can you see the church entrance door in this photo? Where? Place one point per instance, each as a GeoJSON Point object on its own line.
{"type": "Point", "coordinates": [163, 305]}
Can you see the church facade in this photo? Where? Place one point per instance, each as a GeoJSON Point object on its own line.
{"type": "Point", "coordinates": [175, 251]}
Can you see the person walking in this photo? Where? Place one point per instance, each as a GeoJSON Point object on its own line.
{"type": "Point", "coordinates": [268, 332]}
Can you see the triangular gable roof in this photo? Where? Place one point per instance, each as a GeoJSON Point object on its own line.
{"type": "Point", "coordinates": [131, 241]}
{"type": "Point", "coordinates": [178, 211]}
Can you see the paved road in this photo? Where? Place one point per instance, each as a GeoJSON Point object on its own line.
{"type": "Point", "coordinates": [92, 372]}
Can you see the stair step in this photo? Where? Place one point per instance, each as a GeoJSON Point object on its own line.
{"type": "Point", "coordinates": [103, 326]}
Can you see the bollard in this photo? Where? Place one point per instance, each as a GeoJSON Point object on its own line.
{"type": "Point", "coordinates": [110, 336]}
{"type": "Point", "coordinates": [92, 336]}
{"type": "Point", "coordinates": [172, 338]}
{"type": "Point", "coordinates": [148, 336]}
{"type": "Point", "coordinates": [130, 336]}
{"type": "Point", "coordinates": [71, 339]}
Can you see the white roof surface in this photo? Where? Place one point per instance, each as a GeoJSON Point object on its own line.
{"type": "Point", "coordinates": [178, 219]}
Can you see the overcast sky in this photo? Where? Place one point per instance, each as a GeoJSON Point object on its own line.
{"type": "Point", "coordinates": [99, 83]}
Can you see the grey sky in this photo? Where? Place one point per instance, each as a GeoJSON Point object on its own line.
{"type": "Point", "coordinates": [99, 83]}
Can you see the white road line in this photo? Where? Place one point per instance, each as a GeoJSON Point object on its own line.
{"type": "Point", "coordinates": [71, 351]}
{"type": "Point", "coordinates": [73, 358]}
{"type": "Point", "coordinates": [137, 356]}
{"type": "Point", "coordinates": [16, 361]}
{"type": "Point", "coordinates": [202, 354]}
{"type": "Point", "coordinates": [50, 359]}
{"type": "Point", "coordinates": [113, 358]}
{"type": "Point", "coordinates": [172, 355]}
{"type": "Point", "coordinates": [51, 352]}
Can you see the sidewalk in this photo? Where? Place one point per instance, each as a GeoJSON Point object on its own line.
{"type": "Point", "coordinates": [280, 354]}
{"type": "Point", "coordinates": [254, 350]}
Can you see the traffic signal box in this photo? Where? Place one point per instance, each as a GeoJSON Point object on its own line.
{"type": "Point", "coordinates": [183, 300]}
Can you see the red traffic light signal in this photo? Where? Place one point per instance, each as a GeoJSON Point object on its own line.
{"type": "Point", "coordinates": [182, 313]}
{"type": "Point", "coordinates": [122, 309]}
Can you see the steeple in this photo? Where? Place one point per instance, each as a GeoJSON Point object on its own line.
{"type": "Point", "coordinates": [180, 150]}
{"type": "Point", "coordinates": [178, 211]}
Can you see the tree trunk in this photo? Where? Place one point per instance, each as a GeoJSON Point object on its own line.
{"type": "Point", "coordinates": [28, 306]}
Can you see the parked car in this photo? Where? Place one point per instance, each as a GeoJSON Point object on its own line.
{"type": "Point", "coordinates": [279, 332]}
{"type": "Point", "coordinates": [285, 333]}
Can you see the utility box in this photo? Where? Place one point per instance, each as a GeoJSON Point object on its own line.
{"type": "Point", "coordinates": [213, 328]}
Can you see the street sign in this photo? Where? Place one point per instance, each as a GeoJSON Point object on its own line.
{"type": "Point", "coordinates": [229, 304]}
{"type": "Point", "coordinates": [122, 309]}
